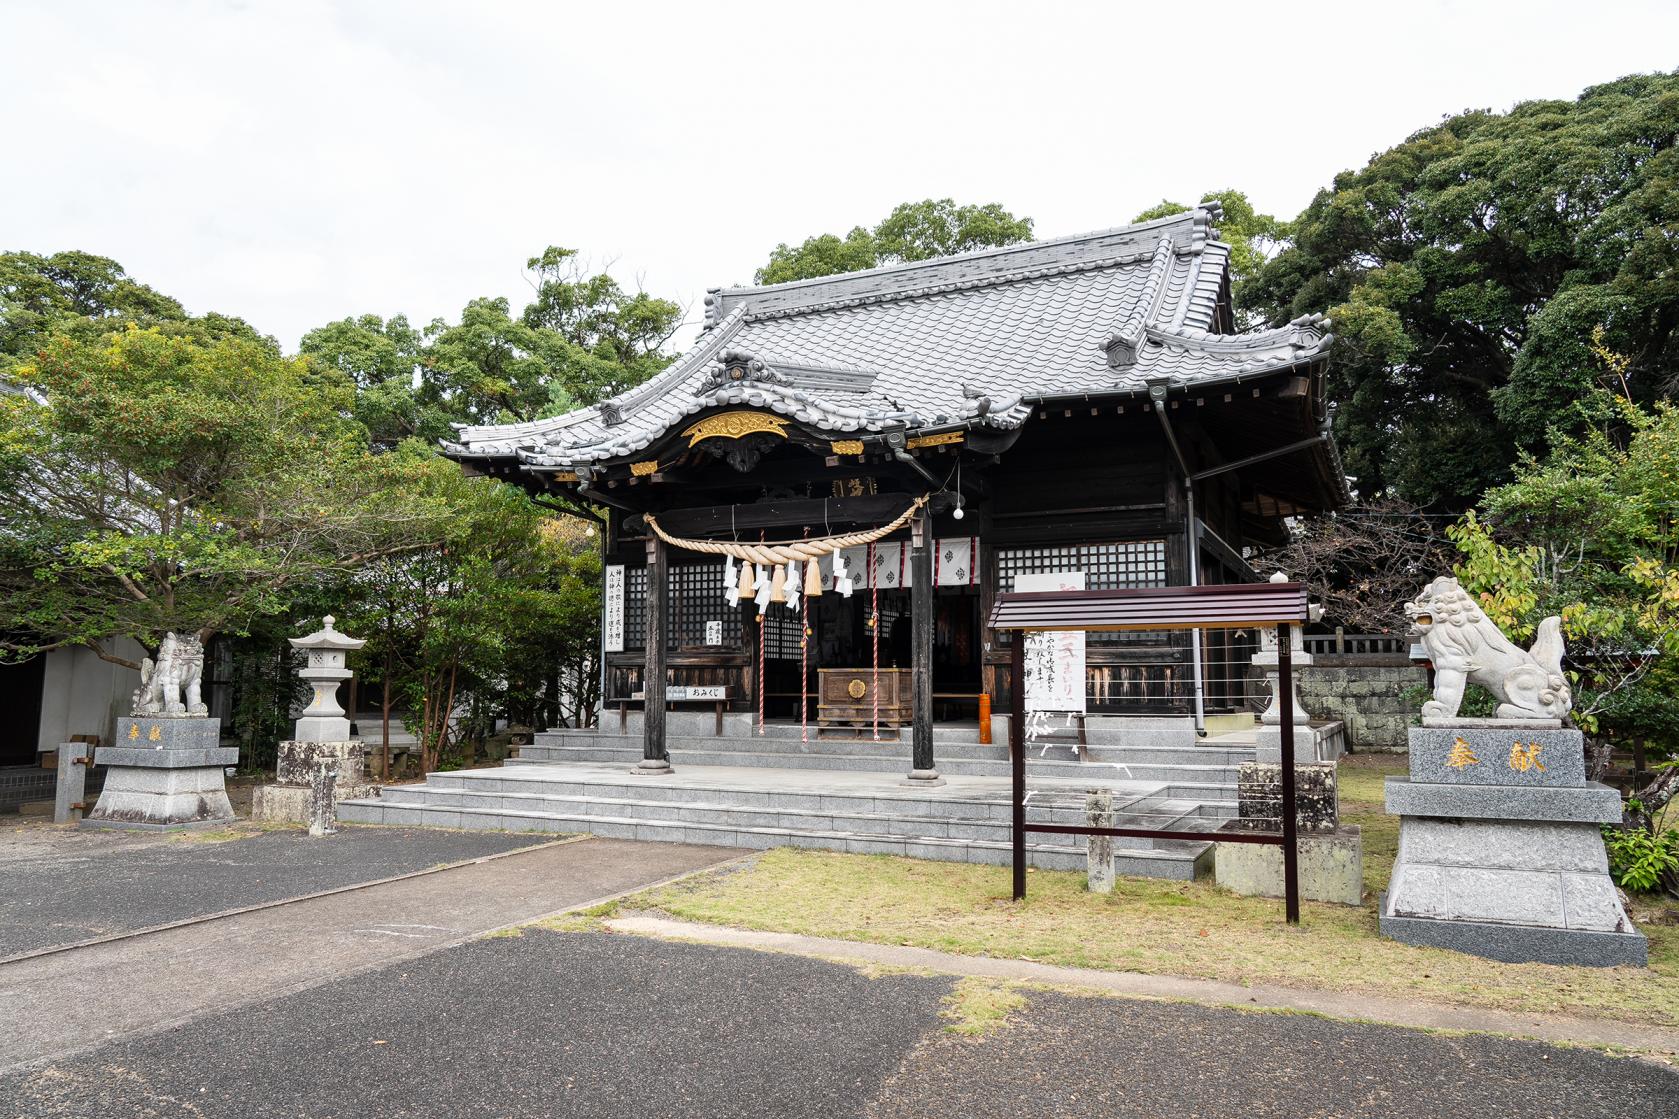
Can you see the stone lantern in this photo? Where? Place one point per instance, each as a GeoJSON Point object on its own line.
{"type": "Point", "coordinates": [321, 764]}
{"type": "Point", "coordinates": [323, 720]}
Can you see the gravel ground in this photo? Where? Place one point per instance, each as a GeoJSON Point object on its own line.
{"type": "Point", "coordinates": [61, 885]}
{"type": "Point", "coordinates": [586, 1025]}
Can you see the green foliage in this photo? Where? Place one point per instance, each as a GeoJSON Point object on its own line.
{"type": "Point", "coordinates": [84, 297]}
{"type": "Point", "coordinates": [1640, 860]}
{"type": "Point", "coordinates": [172, 484]}
{"type": "Point", "coordinates": [1590, 534]}
{"type": "Point", "coordinates": [1465, 270]}
{"type": "Point", "coordinates": [912, 231]}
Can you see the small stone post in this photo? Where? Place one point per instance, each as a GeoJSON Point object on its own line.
{"type": "Point", "coordinates": [323, 805]}
{"type": "Point", "coordinates": [68, 801]}
{"type": "Point", "coordinates": [1099, 813]}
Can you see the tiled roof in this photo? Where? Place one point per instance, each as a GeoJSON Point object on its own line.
{"type": "Point", "coordinates": [970, 339]}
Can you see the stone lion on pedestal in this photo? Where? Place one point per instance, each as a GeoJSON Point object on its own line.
{"type": "Point", "coordinates": [172, 684]}
{"type": "Point", "coordinates": [1467, 648]}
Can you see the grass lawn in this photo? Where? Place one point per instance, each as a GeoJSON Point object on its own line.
{"type": "Point", "coordinates": [1167, 928]}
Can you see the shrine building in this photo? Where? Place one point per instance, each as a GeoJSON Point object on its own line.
{"type": "Point", "coordinates": [808, 514]}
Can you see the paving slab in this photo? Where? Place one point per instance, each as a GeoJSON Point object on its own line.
{"type": "Point", "coordinates": [56, 887]}
{"type": "Point", "coordinates": [73, 1000]}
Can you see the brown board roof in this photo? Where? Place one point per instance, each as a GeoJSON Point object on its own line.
{"type": "Point", "coordinates": [1154, 608]}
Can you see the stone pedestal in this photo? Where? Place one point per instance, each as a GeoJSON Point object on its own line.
{"type": "Point", "coordinates": [295, 796]}
{"type": "Point", "coordinates": [1500, 853]}
{"type": "Point", "coordinates": [1329, 857]}
{"type": "Point", "coordinates": [165, 772]}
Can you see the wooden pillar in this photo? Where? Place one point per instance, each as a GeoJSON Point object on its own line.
{"type": "Point", "coordinates": [922, 612]}
{"type": "Point", "coordinates": [655, 757]}
{"type": "Point", "coordinates": [1017, 759]}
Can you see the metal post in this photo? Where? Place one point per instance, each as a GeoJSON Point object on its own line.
{"type": "Point", "coordinates": [922, 609]}
{"type": "Point", "coordinates": [1285, 692]}
{"type": "Point", "coordinates": [655, 758]}
{"type": "Point", "coordinates": [1017, 756]}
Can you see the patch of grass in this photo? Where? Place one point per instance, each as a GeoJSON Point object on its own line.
{"type": "Point", "coordinates": [504, 934]}
{"type": "Point", "coordinates": [977, 1007]}
{"type": "Point", "coordinates": [1159, 927]}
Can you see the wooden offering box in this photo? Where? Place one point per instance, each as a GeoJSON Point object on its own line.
{"type": "Point", "coordinates": [846, 699]}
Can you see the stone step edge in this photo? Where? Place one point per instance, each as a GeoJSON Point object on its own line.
{"type": "Point", "coordinates": [1182, 854]}
{"type": "Point", "coordinates": [1171, 815]}
{"type": "Point", "coordinates": [889, 765]}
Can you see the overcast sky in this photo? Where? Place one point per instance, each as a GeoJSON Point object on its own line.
{"type": "Point", "coordinates": [297, 162]}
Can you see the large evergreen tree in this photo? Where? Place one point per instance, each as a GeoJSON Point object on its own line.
{"type": "Point", "coordinates": [1466, 270]}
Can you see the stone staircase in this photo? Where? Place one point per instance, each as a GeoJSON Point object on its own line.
{"type": "Point", "coordinates": [743, 790]}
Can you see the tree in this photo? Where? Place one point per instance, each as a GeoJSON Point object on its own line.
{"type": "Point", "coordinates": [85, 296]}
{"type": "Point", "coordinates": [1364, 563]}
{"type": "Point", "coordinates": [1465, 269]}
{"type": "Point", "coordinates": [1253, 237]}
{"type": "Point", "coordinates": [1592, 534]}
{"type": "Point", "coordinates": [504, 610]}
{"type": "Point", "coordinates": [913, 231]}
{"type": "Point", "coordinates": [171, 484]}
{"type": "Point", "coordinates": [383, 358]}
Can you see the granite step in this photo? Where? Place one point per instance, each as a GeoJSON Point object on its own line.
{"type": "Point", "coordinates": [1181, 860]}
{"type": "Point", "coordinates": [688, 753]}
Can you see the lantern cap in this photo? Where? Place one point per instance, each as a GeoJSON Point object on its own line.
{"type": "Point", "coordinates": [326, 638]}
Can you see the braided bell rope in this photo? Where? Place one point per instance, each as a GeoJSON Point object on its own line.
{"type": "Point", "coordinates": [787, 551]}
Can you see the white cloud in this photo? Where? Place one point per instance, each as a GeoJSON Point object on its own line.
{"type": "Point", "coordinates": [294, 163]}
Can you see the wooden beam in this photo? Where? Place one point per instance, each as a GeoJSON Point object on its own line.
{"type": "Point", "coordinates": [655, 757]}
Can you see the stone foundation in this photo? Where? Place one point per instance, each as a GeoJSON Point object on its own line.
{"type": "Point", "coordinates": [1365, 693]}
{"type": "Point", "coordinates": [1330, 867]}
{"type": "Point", "coordinates": [166, 773]}
{"type": "Point", "coordinates": [291, 799]}
{"type": "Point", "coordinates": [1499, 849]}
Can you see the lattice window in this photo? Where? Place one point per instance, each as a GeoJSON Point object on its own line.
{"type": "Point", "coordinates": [1106, 567]}
{"type": "Point", "coordinates": [781, 633]}
{"type": "Point", "coordinates": [695, 597]}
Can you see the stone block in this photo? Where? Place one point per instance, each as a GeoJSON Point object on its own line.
{"type": "Point", "coordinates": [1595, 803]}
{"type": "Point", "coordinates": [1516, 944]}
{"type": "Point", "coordinates": [181, 758]}
{"type": "Point", "coordinates": [1330, 867]}
{"type": "Point", "coordinates": [71, 787]}
{"type": "Point", "coordinates": [297, 760]}
{"type": "Point", "coordinates": [161, 798]}
{"type": "Point", "coordinates": [1259, 796]}
{"type": "Point", "coordinates": [1503, 844]}
{"type": "Point", "coordinates": [166, 732]}
{"type": "Point", "coordinates": [1506, 754]}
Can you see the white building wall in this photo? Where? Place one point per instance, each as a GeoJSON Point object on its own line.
{"type": "Point", "coordinates": [82, 694]}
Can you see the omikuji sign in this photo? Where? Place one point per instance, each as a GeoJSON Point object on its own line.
{"type": "Point", "coordinates": [612, 626]}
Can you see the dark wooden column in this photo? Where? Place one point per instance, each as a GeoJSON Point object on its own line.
{"type": "Point", "coordinates": [655, 758]}
{"type": "Point", "coordinates": [922, 611]}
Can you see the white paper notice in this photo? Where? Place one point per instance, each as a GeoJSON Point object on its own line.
{"type": "Point", "coordinates": [1054, 661]}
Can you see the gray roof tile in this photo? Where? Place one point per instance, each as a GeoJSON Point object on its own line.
{"type": "Point", "coordinates": [915, 344]}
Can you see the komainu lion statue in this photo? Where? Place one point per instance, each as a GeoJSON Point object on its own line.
{"type": "Point", "coordinates": [1467, 648]}
{"type": "Point", "coordinates": [172, 685]}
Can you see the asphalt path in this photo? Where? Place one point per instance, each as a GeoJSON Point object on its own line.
{"type": "Point", "coordinates": [589, 1024]}
{"type": "Point", "coordinates": [71, 1001]}
{"type": "Point", "coordinates": [62, 887]}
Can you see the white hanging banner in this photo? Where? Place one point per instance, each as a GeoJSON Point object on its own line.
{"type": "Point", "coordinates": [612, 630]}
{"type": "Point", "coordinates": [956, 562]}
{"type": "Point", "coordinates": [1054, 661]}
{"type": "Point", "coordinates": [857, 563]}
{"type": "Point", "coordinates": [891, 566]}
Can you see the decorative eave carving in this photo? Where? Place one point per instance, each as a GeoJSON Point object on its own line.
{"type": "Point", "coordinates": [734, 425]}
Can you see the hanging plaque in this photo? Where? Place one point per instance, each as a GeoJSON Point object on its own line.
{"type": "Point", "coordinates": [1054, 661]}
{"type": "Point", "coordinates": [612, 628]}
{"type": "Point", "coordinates": [714, 633]}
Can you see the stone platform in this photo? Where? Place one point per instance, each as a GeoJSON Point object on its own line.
{"type": "Point", "coordinates": [743, 790]}
{"type": "Point", "coordinates": [166, 772]}
{"type": "Point", "coordinates": [1499, 849]}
